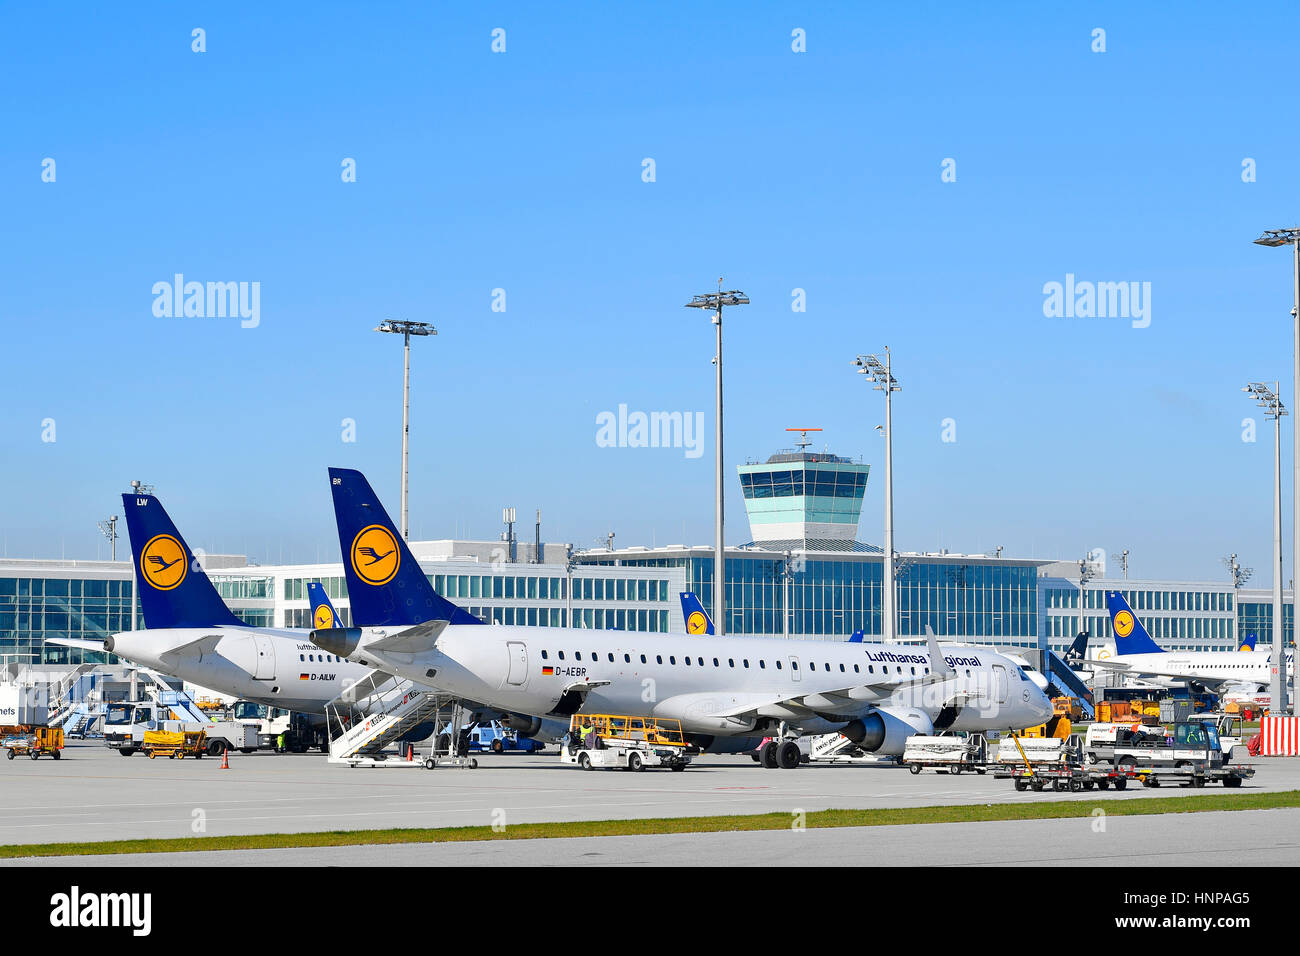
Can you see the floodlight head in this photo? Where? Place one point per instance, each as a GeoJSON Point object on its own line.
{"type": "Point", "coordinates": [714, 300]}
{"type": "Point", "coordinates": [1278, 237]}
{"type": "Point", "coordinates": [404, 327]}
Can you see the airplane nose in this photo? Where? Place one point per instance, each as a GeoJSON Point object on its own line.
{"type": "Point", "coordinates": [339, 641]}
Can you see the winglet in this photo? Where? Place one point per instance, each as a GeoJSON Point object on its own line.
{"type": "Point", "coordinates": [938, 666]}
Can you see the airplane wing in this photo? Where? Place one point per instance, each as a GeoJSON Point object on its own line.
{"type": "Point", "coordinates": [76, 642]}
{"type": "Point", "coordinates": [854, 694]}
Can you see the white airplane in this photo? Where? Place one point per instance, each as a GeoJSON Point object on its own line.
{"type": "Point", "coordinates": [877, 695]}
{"type": "Point", "coordinates": [1136, 654]}
{"type": "Point", "coordinates": [191, 634]}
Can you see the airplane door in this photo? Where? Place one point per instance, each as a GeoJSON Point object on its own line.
{"type": "Point", "coordinates": [518, 673]}
{"type": "Point", "coordinates": [794, 669]}
{"type": "Point", "coordinates": [264, 666]}
{"type": "Point", "coordinates": [1000, 685]}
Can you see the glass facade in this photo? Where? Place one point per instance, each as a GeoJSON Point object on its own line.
{"type": "Point", "coordinates": [831, 596]}
{"type": "Point", "coordinates": [1256, 617]}
{"type": "Point", "coordinates": [33, 609]}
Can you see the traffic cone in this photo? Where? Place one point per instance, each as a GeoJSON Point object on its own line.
{"type": "Point", "coordinates": [410, 751]}
{"type": "Point", "coordinates": [225, 758]}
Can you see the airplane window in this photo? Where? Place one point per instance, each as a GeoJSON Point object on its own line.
{"type": "Point", "coordinates": [687, 661]}
{"type": "Point", "coordinates": [913, 671]}
{"type": "Point", "coordinates": [731, 662]}
{"type": "Point", "coordinates": [745, 661]}
{"type": "Point", "coordinates": [627, 659]}
{"type": "Point", "coordinates": [841, 668]}
{"type": "Point", "coordinates": [561, 653]}
{"type": "Point", "coordinates": [302, 657]}
{"type": "Point", "coordinates": [659, 658]}
{"type": "Point", "coordinates": [855, 668]}
{"type": "Point", "coordinates": [577, 655]}
{"type": "Point", "coordinates": [611, 658]}
{"type": "Point", "coordinates": [968, 672]}
{"type": "Point", "coordinates": [762, 664]}
{"type": "Point", "coordinates": [925, 670]}
{"type": "Point", "coordinates": [672, 659]}
{"type": "Point", "coordinates": [715, 662]}
{"type": "Point", "coordinates": [871, 669]}
{"type": "Point", "coordinates": [543, 655]}
{"type": "Point", "coordinates": [700, 661]}
{"type": "Point", "coordinates": [596, 657]}
{"type": "Point", "coordinates": [643, 660]}
{"type": "Point", "coordinates": [778, 665]}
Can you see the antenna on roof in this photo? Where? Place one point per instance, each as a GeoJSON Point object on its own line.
{"type": "Point", "coordinates": [803, 442]}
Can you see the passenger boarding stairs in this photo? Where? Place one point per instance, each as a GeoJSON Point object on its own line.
{"type": "Point", "coordinates": [1060, 673]}
{"type": "Point", "coordinates": [382, 710]}
{"type": "Point", "coordinates": [181, 703]}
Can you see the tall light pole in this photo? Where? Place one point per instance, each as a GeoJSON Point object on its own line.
{"type": "Point", "coordinates": [715, 301]}
{"type": "Point", "coordinates": [1269, 399]}
{"type": "Point", "coordinates": [109, 530]}
{"type": "Point", "coordinates": [881, 375]}
{"type": "Point", "coordinates": [139, 488]}
{"type": "Point", "coordinates": [1282, 237]}
{"type": "Point", "coordinates": [406, 330]}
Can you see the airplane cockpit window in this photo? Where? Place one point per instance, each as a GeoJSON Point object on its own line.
{"type": "Point", "coordinates": [1021, 672]}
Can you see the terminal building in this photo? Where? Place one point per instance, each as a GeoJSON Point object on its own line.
{"type": "Point", "coordinates": [804, 574]}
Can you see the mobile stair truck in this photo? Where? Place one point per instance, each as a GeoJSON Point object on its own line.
{"type": "Point", "coordinates": [378, 711]}
{"type": "Point", "coordinates": [1190, 755]}
{"type": "Point", "coordinates": [631, 742]}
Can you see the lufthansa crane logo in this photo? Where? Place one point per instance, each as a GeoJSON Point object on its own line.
{"type": "Point", "coordinates": [1123, 623]}
{"type": "Point", "coordinates": [324, 617]}
{"type": "Point", "coordinates": [375, 557]}
{"type": "Point", "coordinates": [162, 562]}
{"type": "Point", "coordinates": [695, 624]}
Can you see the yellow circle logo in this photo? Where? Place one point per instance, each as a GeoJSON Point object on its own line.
{"type": "Point", "coordinates": [1123, 623]}
{"type": "Point", "coordinates": [162, 562]}
{"type": "Point", "coordinates": [375, 557]}
{"type": "Point", "coordinates": [323, 617]}
{"type": "Point", "coordinates": [696, 624]}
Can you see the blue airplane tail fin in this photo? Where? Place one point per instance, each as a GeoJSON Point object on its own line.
{"type": "Point", "coordinates": [1079, 649]}
{"type": "Point", "coordinates": [1130, 636]}
{"type": "Point", "coordinates": [1247, 643]}
{"type": "Point", "coordinates": [386, 585]}
{"type": "Point", "coordinates": [174, 590]}
{"type": "Point", "coordinates": [856, 637]}
{"type": "Point", "coordinates": [697, 619]}
{"type": "Point", "coordinates": [323, 615]}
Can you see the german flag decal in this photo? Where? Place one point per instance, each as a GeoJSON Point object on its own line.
{"type": "Point", "coordinates": [304, 677]}
{"type": "Point", "coordinates": [547, 671]}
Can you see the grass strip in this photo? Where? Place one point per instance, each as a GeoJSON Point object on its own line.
{"type": "Point", "coordinates": [1113, 804]}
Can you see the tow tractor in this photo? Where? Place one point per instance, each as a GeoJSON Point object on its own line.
{"type": "Point", "coordinates": [631, 742]}
{"type": "Point", "coordinates": [1191, 755]}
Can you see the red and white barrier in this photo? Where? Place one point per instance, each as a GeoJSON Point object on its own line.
{"type": "Point", "coordinates": [1281, 736]}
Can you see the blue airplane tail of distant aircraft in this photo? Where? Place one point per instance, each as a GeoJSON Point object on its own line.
{"type": "Point", "coordinates": [174, 590]}
{"type": "Point", "coordinates": [1130, 636]}
{"type": "Point", "coordinates": [697, 619]}
{"type": "Point", "coordinates": [323, 614]}
{"type": "Point", "coordinates": [1247, 643]}
{"type": "Point", "coordinates": [386, 585]}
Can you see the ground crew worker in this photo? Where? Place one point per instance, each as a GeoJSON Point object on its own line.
{"type": "Point", "coordinates": [587, 732]}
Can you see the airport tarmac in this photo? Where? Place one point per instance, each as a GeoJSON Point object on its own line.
{"type": "Point", "coordinates": [1145, 841]}
{"type": "Point", "coordinates": [94, 794]}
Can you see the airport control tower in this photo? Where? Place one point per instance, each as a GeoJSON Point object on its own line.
{"type": "Point", "coordinates": [802, 500]}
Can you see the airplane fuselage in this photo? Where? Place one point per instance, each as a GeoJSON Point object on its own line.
{"type": "Point", "coordinates": [717, 686]}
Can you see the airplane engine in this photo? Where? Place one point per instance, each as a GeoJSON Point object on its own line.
{"type": "Point", "coordinates": [885, 730]}
{"type": "Point", "coordinates": [522, 724]}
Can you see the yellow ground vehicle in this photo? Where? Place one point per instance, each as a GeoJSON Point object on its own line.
{"type": "Point", "coordinates": [631, 742]}
{"type": "Point", "coordinates": [34, 742]}
{"type": "Point", "coordinates": [189, 743]}
{"type": "Point", "coordinates": [1070, 707]}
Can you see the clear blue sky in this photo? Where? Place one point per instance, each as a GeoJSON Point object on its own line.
{"type": "Point", "coordinates": [523, 171]}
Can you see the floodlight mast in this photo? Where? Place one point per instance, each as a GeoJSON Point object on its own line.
{"type": "Point", "coordinates": [881, 376]}
{"type": "Point", "coordinates": [715, 301]}
{"type": "Point", "coordinates": [406, 330]}
{"type": "Point", "coordinates": [1291, 237]}
{"type": "Point", "coordinates": [1269, 399]}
